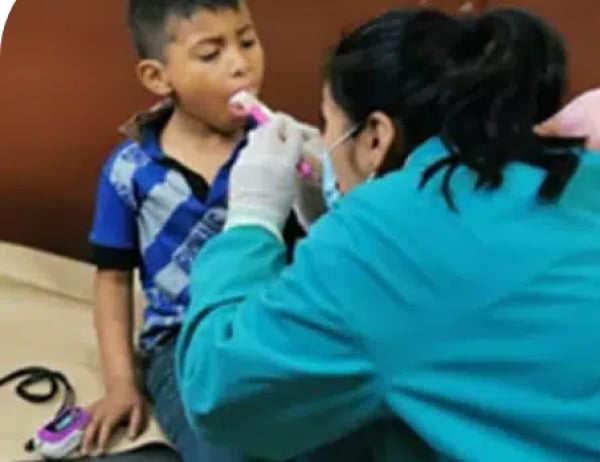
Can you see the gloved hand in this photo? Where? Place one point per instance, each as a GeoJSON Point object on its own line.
{"type": "Point", "coordinates": [579, 118]}
{"type": "Point", "coordinates": [310, 204]}
{"type": "Point", "coordinates": [262, 185]}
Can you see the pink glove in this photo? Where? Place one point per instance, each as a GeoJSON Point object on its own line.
{"type": "Point", "coordinates": [580, 118]}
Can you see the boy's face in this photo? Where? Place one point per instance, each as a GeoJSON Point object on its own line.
{"type": "Point", "coordinates": [207, 59]}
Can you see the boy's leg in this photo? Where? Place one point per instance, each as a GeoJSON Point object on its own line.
{"type": "Point", "coordinates": [168, 409]}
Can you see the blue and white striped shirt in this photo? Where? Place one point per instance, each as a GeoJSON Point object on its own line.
{"type": "Point", "coordinates": [154, 213]}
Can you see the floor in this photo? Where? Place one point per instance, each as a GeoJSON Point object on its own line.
{"type": "Point", "coordinates": [148, 454]}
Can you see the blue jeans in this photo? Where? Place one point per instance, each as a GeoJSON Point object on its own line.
{"type": "Point", "coordinates": [168, 409]}
{"type": "Point", "coordinates": [162, 387]}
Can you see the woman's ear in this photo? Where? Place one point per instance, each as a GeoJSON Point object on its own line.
{"type": "Point", "coordinates": [381, 131]}
{"type": "Point", "coordinates": [153, 76]}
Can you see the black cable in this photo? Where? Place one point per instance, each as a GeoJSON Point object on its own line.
{"type": "Point", "coordinates": [31, 376]}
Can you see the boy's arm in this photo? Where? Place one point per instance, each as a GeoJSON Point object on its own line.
{"type": "Point", "coordinates": [115, 254]}
{"type": "Point", "coordinates": [113, 320]}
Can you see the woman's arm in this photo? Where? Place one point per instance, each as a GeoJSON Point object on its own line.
{"type": "Point", "coordinates": [268, 360]}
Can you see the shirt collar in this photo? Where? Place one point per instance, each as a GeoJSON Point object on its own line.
{"type": "Point", "coordinates": [427, 153]}
{"type": "Point", "coordinates": [135, 127]}
{"type": "Point", "coordinates": [143, 128]}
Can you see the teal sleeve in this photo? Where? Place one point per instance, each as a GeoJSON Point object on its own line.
{"type": "Point", "coordinates": [266, 361]}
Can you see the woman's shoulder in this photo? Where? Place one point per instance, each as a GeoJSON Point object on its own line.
{"type": "Point", "coordinates": [380, 213]}
{"type": "Point", "coordinates": [520, 185]}
{"type": "Point", "coordinates": [396, 209]}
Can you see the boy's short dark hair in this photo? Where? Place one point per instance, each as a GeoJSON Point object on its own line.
{"type": "Point", "coordinates": [147, 21]}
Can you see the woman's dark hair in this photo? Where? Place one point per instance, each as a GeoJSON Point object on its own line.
{"type": "Point", "coordinates": [480, 83]}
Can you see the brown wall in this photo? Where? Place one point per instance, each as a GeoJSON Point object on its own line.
{"type": "Point", "coordinates": [579, 22]}
{"type": "Point", "coordinates": [297, 37]}
{"type": "Point", "coordinates": [66, 82]}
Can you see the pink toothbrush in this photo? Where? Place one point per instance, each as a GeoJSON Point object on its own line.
{"type": "Point", "coordinates": [261, 115]}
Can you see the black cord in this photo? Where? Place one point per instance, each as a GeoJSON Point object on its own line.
{"type": "Point", "coordinates": [31, 376]}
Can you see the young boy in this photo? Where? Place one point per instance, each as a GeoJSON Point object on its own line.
{"type": "Point", "coordinates": [161, 195]}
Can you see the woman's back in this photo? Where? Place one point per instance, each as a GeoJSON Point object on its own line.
{"type": "Point", "coordinates": [456, 294]}
{"type": "Point", "coordinates": [483, 323]}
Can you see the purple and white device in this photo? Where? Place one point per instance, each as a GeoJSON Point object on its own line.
{"type": "Point", "coordinates": [62, 435]}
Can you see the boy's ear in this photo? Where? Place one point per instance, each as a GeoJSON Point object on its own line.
{"type": "Point", "coordinates": [153, 76]}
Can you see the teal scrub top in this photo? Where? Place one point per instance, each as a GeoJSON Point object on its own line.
{"type": "Point", "coordinates": [469, 336]}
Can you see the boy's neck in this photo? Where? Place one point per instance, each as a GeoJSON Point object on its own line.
{"type": "Point", "coordinates": [197, 146]}
{"type": "Point", "coordinates": [184, 134]}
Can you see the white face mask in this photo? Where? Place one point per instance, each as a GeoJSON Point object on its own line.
{"type": "Point", "coordinates": [329, 182]}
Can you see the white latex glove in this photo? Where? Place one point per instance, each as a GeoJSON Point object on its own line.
{"type": "Point", "coordinates": [580, 118]}
{"type": "Point", "coordinates": [310, 204]}
{"type": "Point", "coordinates": [262, 185]}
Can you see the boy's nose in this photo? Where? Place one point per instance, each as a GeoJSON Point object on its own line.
{"type": "Point", "coordinates": [239, 65]}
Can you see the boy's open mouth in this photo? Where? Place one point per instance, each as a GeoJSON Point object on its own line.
{"type": "Point", "coordinates": [237, 110]}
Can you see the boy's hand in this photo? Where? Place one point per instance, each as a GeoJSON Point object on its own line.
{"type": "Point", "coordinates": [122, 404]}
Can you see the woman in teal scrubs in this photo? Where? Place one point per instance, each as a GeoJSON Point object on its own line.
{"type": "Point", "coordinates": [448, 304]}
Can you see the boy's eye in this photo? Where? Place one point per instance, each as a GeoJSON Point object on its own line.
{"type": "Point", "coordinates": [248, 43]}
{"type": "Point", "coordinates": [207, 57]}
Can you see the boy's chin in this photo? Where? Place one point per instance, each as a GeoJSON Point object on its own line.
{"type": "Point", "coordinates": [234, 124]}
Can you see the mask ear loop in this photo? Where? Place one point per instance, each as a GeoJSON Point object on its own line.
{"type": "Point", "coordinates": [345, 137]}
{"type": "Point", "coordinates": [327, 162]}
